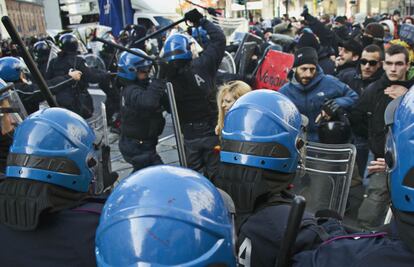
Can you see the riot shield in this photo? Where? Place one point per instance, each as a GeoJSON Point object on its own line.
{"type": "Point", "coordinates": [54, 51]}
{"type": "Point", "coordinates": [12, 111]}
{"type": "Point", "coordinates": [97, 119]}
{"type": "Point", "coordinates": [94, 61]}
{"type": "Point", "coordinates": [247, 52]}
{"type": "Point", "coordinates": [227, 65]}
{"type": "Point", "coordinates": [248, 37]}
{"type": "Point", "coordinates": [328, 175]}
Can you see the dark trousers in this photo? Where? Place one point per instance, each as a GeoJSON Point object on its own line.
{"type": "Point", "coordinates": [201, 156]}
{"type": "Point", "coordinates": [139, 153]}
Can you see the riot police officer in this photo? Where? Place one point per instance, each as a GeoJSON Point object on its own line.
{"type": "Point", "coordinates": [48, 217]}
{"type": "Point", "coordinates": [262, 146]}
{"type": "Point", "coordinates": [141, 110]}
{"type": "Point", "coordinates": [195, 91]}
{"type": "Point", "coordinates": [41, 51]}
{"type": "Point", "coordinates": [165, 216]}
{"type": "Point", "coordinates": [74, 97]}
{"type": "Point", "coordinates": [13, 70]}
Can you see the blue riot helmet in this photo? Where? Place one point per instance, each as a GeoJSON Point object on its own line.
{"type": "Point", "coordinates": [263, 143]}
{"type": "Point", "coordinates": [54, 146]}
{"type": "Point", "coordinates": [68, 42]}
{"type": "Point", "coordinates": [129, 64]}
{"type": "Point", "coordinates": [177, 47]}
{"type": "Point", "coordinates": [271, 123]}
{"type": "Point", "coordinates": [10, 69]}
{"type": "Point", "coordinates": [399, 117]}
{"type": "Point", "coordinates": [200, 35]}
{"type": "Point", "coordinates": [165, 216]}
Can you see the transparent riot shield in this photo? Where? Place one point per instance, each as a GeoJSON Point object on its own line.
{"type": "Point", "coordinates": [248, 37]}
{"type": "Point", "coordinates": [12, 111]}
{"type": "Point", "coordinates": [326, 183]}
{"type": "Point", "coordinates": [54, 51]}
{"type": "Point", "coordinates": [94, 61]}
{"type": "Point", "coordinates": [227, 65]}
{"type": "Point", "coordinates": [104, 177]}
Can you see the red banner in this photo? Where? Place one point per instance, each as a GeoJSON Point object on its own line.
{"type": "Point", "coordinates": [273, 71]}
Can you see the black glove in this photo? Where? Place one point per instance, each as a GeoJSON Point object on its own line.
{"type": "Point", "coordinates": [305, 11]}
{"type": "Point", "coordinates": [193, 16]}
{"type": "Point", "coordinates": [332, 108]}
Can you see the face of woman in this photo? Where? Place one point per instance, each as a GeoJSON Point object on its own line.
{"type": "Point", "coordinates": [228, 101]}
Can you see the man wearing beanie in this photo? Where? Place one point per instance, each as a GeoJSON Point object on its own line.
{"type": "Point", "coordinates": [311, 90]}
{"type": "Point", "coordinates": [373, 34]}
{"type": "Point", "coordinates": [349, 54]}
{"type": "Point", "coordinates": [308, 39]}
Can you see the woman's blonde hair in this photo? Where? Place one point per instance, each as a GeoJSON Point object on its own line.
{"type": "Point", "coordinates": [236, 89]}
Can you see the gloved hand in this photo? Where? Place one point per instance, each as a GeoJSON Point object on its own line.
{"type": "Point", "coordinates": [193, 16]}
{"type": "Point", "coordinates": [305, 11]}
{"type": "Point", "coordinates": [332, 108]}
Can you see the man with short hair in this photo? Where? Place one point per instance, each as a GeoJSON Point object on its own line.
{"type": "Point", "coordinates": [368, 115]}
{"type": "Point", "coordinates": [349, 54]}
{"type": "Point", "coordinates": [367, 71]}
{"type": "Point", "coordinates": [310, 89]}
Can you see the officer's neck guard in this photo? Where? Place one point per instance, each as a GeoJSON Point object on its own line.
{"type": "Point", "coordinates": [23, 201]}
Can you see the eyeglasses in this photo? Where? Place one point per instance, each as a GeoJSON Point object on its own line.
{"type": "Point", "coordinates": [372, 63]}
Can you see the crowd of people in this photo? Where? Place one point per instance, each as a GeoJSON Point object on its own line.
{"type": "Point", "coordinates": [349, 84]}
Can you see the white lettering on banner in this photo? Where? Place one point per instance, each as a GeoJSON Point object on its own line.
{"type": "Point", "coordinates": [199, 80]}
{"type": "Point", "coordinates": [246, 248]}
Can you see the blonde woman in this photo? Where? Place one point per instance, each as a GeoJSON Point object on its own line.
{"type": "Point", "coordinates": [227, 95]}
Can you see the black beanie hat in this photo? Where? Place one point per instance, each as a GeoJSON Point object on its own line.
{"type": "Point", "coordinates": [352, 46]}
{"type": "Point", "coordinates": [308, 40]}
{"type": "Point", "coordinates": [375, 29]}
{"type": "Point", "coordinates": [305, 55]}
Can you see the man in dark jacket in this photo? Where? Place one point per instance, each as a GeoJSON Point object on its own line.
{"type": "Point", "coordinates": [195, 92]}
{"type": "Point", "coordinates": [368, 120]}
{"type": "Point", "coordinates": [74, 97]}
{"type": "Point", "coordinates": [309, 88]}
{"type": "Point", "coordinates": [141, 111]}
{"type": "Point", "coordinates": [48, 216]}
{"type": "Point", "coordinates": [368, 71]}
{"type": "Point", "coordinates": [349, 55]}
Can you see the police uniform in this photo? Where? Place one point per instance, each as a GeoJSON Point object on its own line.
{"type": "Point", "coordinates": [65, 238]}
{"type": "Point", "coordinates": [76, 97]}
{"type": "Point", "coordinates": [195, 94]}
{"type": "Point", "coordinates": [141, 122]}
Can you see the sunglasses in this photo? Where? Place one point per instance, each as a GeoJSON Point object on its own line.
{"type": "Point", "coordinates": [372, 63]}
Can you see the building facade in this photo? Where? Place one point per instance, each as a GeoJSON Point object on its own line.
{"type": "Point", "coordinates": [28, 16]}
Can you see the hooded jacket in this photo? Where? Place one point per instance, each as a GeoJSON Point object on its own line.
{"type": "Point", "coordinates": [310, 98]}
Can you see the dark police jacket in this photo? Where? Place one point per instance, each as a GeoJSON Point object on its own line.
{"type": "Point", "coordinates": [74, 97]}
{"type": "Point", "coordinates": [65, 238]}
{"type": "Point", "coordinates": [357, 250]}
{"type": "Point", "coordinates": [194, 87]}
{"type": "Point", "coordinates": [261, 235]}
{"type": "Point", "coordinates": [141, 110]}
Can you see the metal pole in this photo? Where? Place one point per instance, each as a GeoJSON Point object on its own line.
{"type": "Point", "coordinates": [292, 229]}
{"type": "Point", "coordinates": [143, 39]}
{"type": "Point", "coordinates": [287, 8]}
{"type": "Point", "coordinates": [122, 48]}
{"type": "Point", "coordinates": [176, 122]}
{"type": "Point", "coordinates": [37, 76]}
